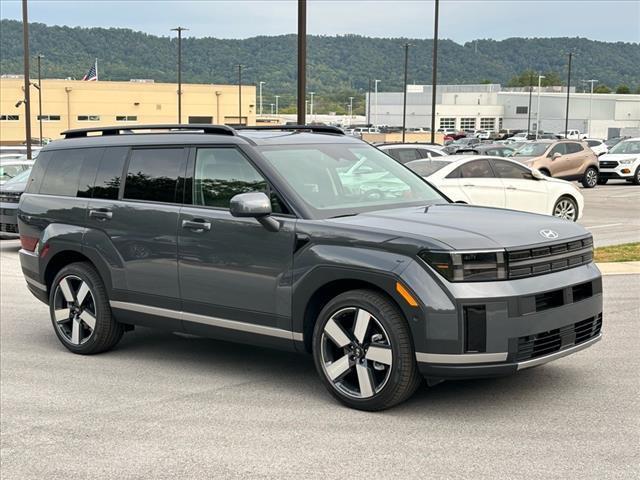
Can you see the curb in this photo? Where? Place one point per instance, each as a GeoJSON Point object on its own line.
{"type": "Point", "coordinates": [619, 268]}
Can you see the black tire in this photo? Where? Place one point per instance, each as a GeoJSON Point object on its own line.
{"type": "Point", "coordinates": [636, 176]}
{"type": "Point", "coordinates": [590, 177]}
{"type": "Point", "coordinates": [402, 378]}
{"type": "Point", "coordinates": [602, 181]}
{"type": "Point", "coordinates": [105, 333]}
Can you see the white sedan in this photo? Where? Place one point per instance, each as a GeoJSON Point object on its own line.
{"type": "Point", "coordinates": [500, 182]}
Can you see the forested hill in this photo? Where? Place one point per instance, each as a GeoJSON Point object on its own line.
{"type": "Point", "coordinates": [337, 64]}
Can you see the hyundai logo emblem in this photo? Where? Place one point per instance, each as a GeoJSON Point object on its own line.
{"type": "Point", "coordinates": [549, 234]}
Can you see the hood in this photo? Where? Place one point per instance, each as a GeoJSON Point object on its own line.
{"type": "Point", "coordinates": [466, 227]}
{"type": "Point", "coordinates": [619, 156]}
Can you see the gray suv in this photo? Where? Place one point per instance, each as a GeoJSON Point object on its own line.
{"type": "Point", "coordinates": [304, 239]}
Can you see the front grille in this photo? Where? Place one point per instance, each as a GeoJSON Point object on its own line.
{"type": "Point", "coordinates": [550, 258]}
{"type": "Point", "coordinates": [9, 197]}
{"type": "Point", "coordinates": [608, 164]}
{"type": "Point", "coordinates": [8, 227]}
{"type": "Point", "coordinates": [546, 343]}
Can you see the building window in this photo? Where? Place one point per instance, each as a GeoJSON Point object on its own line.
{"type": "Point", "coordinates": [487, 123]}
{"type": "Point", "coordinates": [467, 124]}
{"type": "Point", "coordinates": [49, 118]}
{"type": "Point", "coordinates": [10, 118]}
{"type": "Point", "coordinates": [447, 123]}
{"type": "Point", "coordinates": [522, 110]}
{"type": "Point", "coordinates": [207, 120]}
{"type": "Point", "coordinates": [88, 118]}
{"type": "Point", "coordinates": [126, 118]}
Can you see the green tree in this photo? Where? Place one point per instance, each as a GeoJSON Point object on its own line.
{"type": "Point", "coordinates": [602, 89]}
{"type": "Point", "coordinates": [623, 89]}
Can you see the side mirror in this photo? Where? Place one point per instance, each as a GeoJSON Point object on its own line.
{"type": "Point", "coordinates": [556, 156]}
{"type": "Point", "coordinates": [256, 205]}
{"type": "Point", "coordinates": [537, 174]}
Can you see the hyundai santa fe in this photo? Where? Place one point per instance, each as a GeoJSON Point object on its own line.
{"type": "Point", "coordinates": [300, 238]}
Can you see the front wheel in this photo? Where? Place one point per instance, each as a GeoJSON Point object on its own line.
{"type": "Point", "coordinates": [636, 176]}
{"type": "Point", "coordinates": [363, 351]}
{"type": "Point", "coordinates": [590, 177]}
{"type": "Point", "coordinates": [566, 208]}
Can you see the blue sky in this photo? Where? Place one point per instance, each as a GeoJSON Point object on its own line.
{"type": "Point", "coordinates": [460, 20]}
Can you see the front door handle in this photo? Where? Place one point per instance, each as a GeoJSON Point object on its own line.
{"type": "Point", "coordinates": [101, 214]}
{"type": "Point", "coordinates": [198, 225]}
{"type": "Point", "coordinates": [469, 185]}
{"type": "Point", "coordinates": [511, 188]}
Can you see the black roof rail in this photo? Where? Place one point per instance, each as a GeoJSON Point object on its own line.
{"type": "Point", "coordinates": [208, 129]}
{"type": "Point", "coordinates": [310, 128]}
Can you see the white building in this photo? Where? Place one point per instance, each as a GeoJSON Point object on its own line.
{"type": "Point", "coordinates": [467, 107]}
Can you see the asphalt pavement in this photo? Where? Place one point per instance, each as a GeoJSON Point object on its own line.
{"type": "Point", "coordinates": [168, 406]}
{"type": "Point", "coordinates": [612, 213]}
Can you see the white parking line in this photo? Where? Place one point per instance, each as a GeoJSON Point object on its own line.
{"type": "Point", "coordinates": [605, 226]}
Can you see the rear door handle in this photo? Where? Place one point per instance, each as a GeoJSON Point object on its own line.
{"type": "Point", "coordinates": [101, 214]}
{"type": "Point", "coordinates": [511, 188]}
{"type": "Point", "coordinates": [197, 225]}
{"type": "Point", "coordinates": [469, 185]}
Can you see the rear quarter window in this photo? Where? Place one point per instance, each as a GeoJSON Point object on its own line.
{"type": "Point", "coordinates": [38, 171]}
{"type": "Point", "coordinates": [62, 173]}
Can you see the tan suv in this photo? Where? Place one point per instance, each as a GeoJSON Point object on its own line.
{"type": "Point", "coordinates": [566, 159]}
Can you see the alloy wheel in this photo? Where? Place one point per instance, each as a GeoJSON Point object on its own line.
{"type": "Point", "coordinates": [565, 209]}
{"type": "Point", "coordinates": [74, 310]}
{"type": "Point", "coordinates": [356, 353]}
{"type": "Point", "coordinates": [592, 177]}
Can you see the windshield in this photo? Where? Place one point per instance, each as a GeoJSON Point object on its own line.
{"type": "Point", "coordinates": [626, 147]}
{"type": "Point", "coordinates": [7, 172]}
{"type": "Point", "coordinates": [346, 179]}
{"type": "Point", "coordinates": [20, 178]}
{"type": "Point", "coordinates": [533, 149]}
{"type": "Point", "coordinates": [424, 168]}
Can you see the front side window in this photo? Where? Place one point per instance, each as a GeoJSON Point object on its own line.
{"type": "Point", "coordinates": [153, 174]}
{"type": "Point", "coordinates": [346, 179]}
{"type": "Point", "coordinates": [222, 173]}
{"type": "Point", "coordinates": [511, 170]}
{"type": "Point", "coordinates": [476, 169]}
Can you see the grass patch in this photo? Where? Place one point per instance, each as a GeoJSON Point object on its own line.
{"type": "Point", "coordinates": [628, 252]}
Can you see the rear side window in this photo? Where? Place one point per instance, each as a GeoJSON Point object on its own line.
{"type": "Point", "coordinates": [511, 170]}
{"type": "Point", "coordinates": [63, 173]}
{"type": "Point", "coordinates": [573, 147]}
{"type": "Point", "coordinates": [153, 174]}
{"type": "Point", "coordinates": [476, 169]}
{"type": "Point", "coordinates": [404, 155]}
{"type": "Point", "coordinates": [560, 148]}
{"type": "Point", "coordinates": [109, 173]}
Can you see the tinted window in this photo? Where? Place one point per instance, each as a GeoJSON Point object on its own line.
{"type": "Point", "coordinates": [153, 174]}
{"type": "Point", "coordinates": [222, 173]}
{"type": "Point", "coordinates": [476, 169]}
{"type": "Point", "coordinates": [560, 148]}
{"type": "Point", "coordinates": [92, 159]}
{"type": "Point", "coordinates": [573, 147]}
{"type": "Point", "coordinates": [37, 172]}
{"type": "Point", "coordinates": [109, 173]}
{"type": "Point", "coordinates": [404, 155]}
{"type": "Point", "coordinates": [593, 143]}
{"type": "Point", "coordinates": [424, 168]}
{"type": "Point", "coordinates": [510, 170]}
{"type": "Point", "coordinates": [63, 173]}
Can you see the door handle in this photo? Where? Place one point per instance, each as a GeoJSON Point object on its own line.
{"type": "Point", "coordinates": [197, 225]}
{"type": "Point", "coordinates": [101, 214]}
{"type": "Point", "coordinates": [511, 188]}
{"type": "Point", "coordinates": [469, 185]}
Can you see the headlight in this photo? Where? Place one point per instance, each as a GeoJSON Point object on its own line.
{"type": "Point", "coordinates": [627, 161]}
{"type": "Point", "coordinates": [482, 266]}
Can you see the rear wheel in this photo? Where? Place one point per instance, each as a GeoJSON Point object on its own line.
{"type": "Point", "coordinates": [636, 176]}
{"type": "Point", "coordinates": [80, 311]}
{"type": "Point", "coordinates": [566, 208]}
{"type": "Point", "coordinates": [590, 177]}
{"type": "Point", "coordinates": [363, 351]}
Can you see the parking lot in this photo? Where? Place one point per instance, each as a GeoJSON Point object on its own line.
{"type": "Point", "coordinates": [165, 405]}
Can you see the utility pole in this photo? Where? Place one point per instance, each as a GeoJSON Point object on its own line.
{"type": "Point", "coordinates": [529, 109]}
{"type": "Point", "coordinates": [239, 94]}
{"type": "Point", "coordinates": [590, 101]}
{"type": "Point", "coordinates": [404, 94]}
{"type": "Point", "coordinates": [179, 30]}
{"type": "Point", "coordinates": [434, 71]}
{"type": "Point", "coordinates": [302, 60]}
{"type": "Point", "coordinates": [277, 97]}
{"type": "Point", "coordinates": [261, 84]}
{"type": "Point", "coordinates": [566, 120]}
{"type": "Point", "coordinates": [27, 96]}
{"type": "Point", "coordinates": [272, 105]}
{"type": "Point", "coordinates": [540, 77]}
{"type": "Point", "coordinates": [39, 57]}
{"type": "Point", "coordinates": [369, 105]}
{"type": "Point", "coordinates": [376, 93]}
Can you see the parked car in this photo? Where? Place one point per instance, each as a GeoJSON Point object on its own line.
{"type": "Point", "coordinates": [614, 141]}
{"type": "Point", "coordinates": [519, 137]}
{"type": "Point", "coordinates": [493, 149]}
{"type": "Point", "coordinates": [10, 167]}
{"type": "Point", "coordinates": [483, 134]}
{"type": "Point", "coordinates": [461, 143]}
{"type": "Point", "coordinates": [405, 152]}
{"type": "Point", "coordinates": [571, 134]}
{"type": "Point", "coordinates": [621, 162]}
{"type": "Point", "coordinates": [598, 146]}
{"type": "Point", "coordinates": [564, 159]}
{"type": "Point", "coordinates": [503, 183]}
{"type": "Point", "coordinates": [259, 235]}
{"type": "Point", "coordinates": [10, 193]}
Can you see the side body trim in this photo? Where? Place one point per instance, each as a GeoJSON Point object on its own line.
{"type": "Point", "coordinates": [213, 321]}
{"type": "Point", "coordinates": [461, 358]}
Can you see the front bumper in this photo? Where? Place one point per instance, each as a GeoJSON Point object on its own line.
{"type": "Point", "coordinates": [618, 173]}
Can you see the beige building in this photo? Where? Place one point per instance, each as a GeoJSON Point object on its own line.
{"type": "Point", "coordinates": [68, 104]}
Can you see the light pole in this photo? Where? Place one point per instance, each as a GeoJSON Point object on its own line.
{"type": "Point", "coordinates": [590, 100]}
{"type": "Point", "coordinates": [39, 57]}
{"type": "Point", "coordinates": [179, 30]}
{"type": "Point", "coordinates": [272, 105]}
{"type": "Point", "coordinates": [239, 94]}
{"type": "Point", "coordinates": [27, 96]}
{"type": "Point", "coordinates": [311, 104]}
{"type": "Point", "coordinates": [566, 119]}
{"type": "Point", "coordinates": [434, 70]}
{"type": "Point", "coordinates": [404, 94]}
{"type": "Point", "coordinates": [369, 105]}
{"type": "Point", "coordinates": [302, 60]}
{"type": "Point", "coordinates": [261, 84]}
{"type": "Point", "coordinates": [277, 97]}
{"type": "Point", "coordinates": [376, 93]}
{"type": "Point", "coordinates": [540, 77]}
{"type": "Point", "coordinates": [529, 109]}
{"type": "Point", "coordinates": [350, 110]}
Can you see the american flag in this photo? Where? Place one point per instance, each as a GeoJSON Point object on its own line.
{"type": "Point", "coordinates": [92, 74]}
